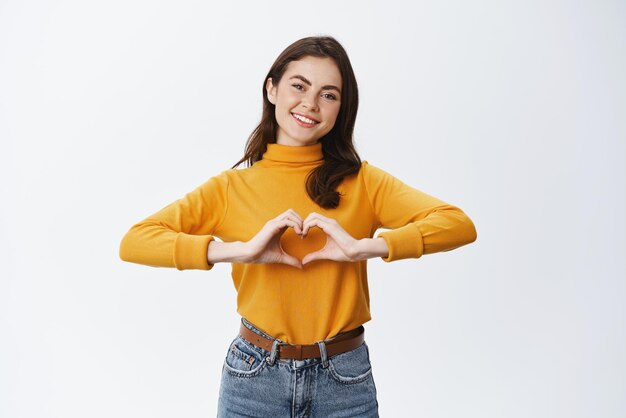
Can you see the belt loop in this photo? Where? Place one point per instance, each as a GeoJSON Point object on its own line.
{"type": "Point", "coordinates": [322, 346]}
{"type": "Point", "coordinates": [272, 358]}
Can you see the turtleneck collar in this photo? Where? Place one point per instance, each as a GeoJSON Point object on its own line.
{"type": "Point", "coordinates": [294, 153]}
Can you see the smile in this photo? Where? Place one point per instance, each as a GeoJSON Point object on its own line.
{"type": "Point", "coordinates": [304, 121]}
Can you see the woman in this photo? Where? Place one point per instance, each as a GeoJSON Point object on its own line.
{"type": "Point", "coordinates": [297, 225]}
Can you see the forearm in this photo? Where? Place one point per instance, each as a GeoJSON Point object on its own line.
{"type": "Point", "coordinates": [371, 248]}
{"type": "Point", "coordinates": [221, 252]}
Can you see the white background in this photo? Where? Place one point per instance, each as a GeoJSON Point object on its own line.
{"type": "Point", "coordinates": [514, 111]}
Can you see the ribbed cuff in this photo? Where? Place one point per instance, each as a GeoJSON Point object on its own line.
{"type": "Point", "coordinates": [190, 251]}
{"type": "Point", "coordinates": [403, 242]}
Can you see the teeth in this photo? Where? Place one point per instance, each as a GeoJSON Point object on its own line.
{"type": "Point", "coordinates": [302, 118]}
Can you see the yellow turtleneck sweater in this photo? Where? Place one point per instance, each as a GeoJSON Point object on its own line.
{"type": "Point", "coordinates": [325, 297]}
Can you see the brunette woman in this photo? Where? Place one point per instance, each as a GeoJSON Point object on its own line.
{"type": "Point", "coordinates": [298, 226]}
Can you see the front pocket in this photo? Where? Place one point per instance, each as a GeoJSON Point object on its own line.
{"type": "Point", "coordinates": [244, 356]}
{"type": "Point", "coordinates": [352, 366]}
{"type": "Point", "coordinates": [242, 360]}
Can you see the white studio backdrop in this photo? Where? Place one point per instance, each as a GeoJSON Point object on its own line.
{"type": "Point", "coordinates": [514, 111]}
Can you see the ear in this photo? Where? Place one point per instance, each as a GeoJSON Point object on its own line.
{"type": "Point", "coordinates": [271, 90]}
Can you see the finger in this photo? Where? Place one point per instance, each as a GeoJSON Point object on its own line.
{"type": "Point", "coordinates": [291, 214]}
{"type": "Point", "coordinates": [294, 217]}
{"type": "Point", "coordinates": [319, 216]}
{"type": "Point", "coordinates": [324, 225]}
{"type": "Point", "coordinates": [294, 213]}
{"type": "Point", "coordinates": [282, 223]}
{"type": "Point", "coordinates": [312, 215]}
{"type": "Point", "coordinates": [287, 215]}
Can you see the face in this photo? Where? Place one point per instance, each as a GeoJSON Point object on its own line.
{"type": "Point", "coordinates": [310, 89]}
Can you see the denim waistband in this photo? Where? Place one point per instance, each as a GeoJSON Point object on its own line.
{"type": "Point", "coordinates": [256, 329]}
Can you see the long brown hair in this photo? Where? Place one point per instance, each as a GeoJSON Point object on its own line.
{"type": "Point", "coordinates": [340, 157]}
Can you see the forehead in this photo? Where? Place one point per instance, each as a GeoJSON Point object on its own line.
{"type": "Point", "coordinates": [316, 69]}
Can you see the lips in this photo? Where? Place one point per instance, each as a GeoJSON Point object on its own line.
{"type": "Point", "coordinates": [305, 116]}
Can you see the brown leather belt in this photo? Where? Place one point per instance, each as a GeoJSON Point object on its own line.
{"type": "Point", "coordinates": [340, 343]}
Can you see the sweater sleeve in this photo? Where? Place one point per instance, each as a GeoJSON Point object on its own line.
{"type": "Point", "coordinates": [419, 223]}
{"type": "Point", "coordinates": [179, 234]}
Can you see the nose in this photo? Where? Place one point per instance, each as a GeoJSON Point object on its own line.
{"type": "Point", "coordinates": [310, 101]}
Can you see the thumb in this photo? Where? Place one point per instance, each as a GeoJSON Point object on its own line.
{"type": "Point", "coordinates": [315, 255]}
{"type": "Point", "coordinates": [291, 260]}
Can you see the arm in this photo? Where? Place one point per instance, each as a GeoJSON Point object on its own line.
{"type": "Point", "coordinates": [371, 247]}
{"type": "Point", "coordinates": [419, 223]}
{"type": "Point", "coordinates": [179, 234]}
{"type": "Point", "coordinates": [220, 252]}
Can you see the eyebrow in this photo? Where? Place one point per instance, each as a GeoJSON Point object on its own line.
{"type": "Point", "coordinates": [326, 87]}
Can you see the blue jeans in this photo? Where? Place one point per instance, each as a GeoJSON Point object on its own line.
{"type": "Point", "coordinates": [257, 383]}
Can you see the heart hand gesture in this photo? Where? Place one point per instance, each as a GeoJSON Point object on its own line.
{"type": "Point", "coordinates": [265, 246]}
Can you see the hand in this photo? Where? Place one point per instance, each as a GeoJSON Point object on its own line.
{"type": "Point", "coordinates": [265, 248]}
{"type": "Point", "coordinates": [340, 245]}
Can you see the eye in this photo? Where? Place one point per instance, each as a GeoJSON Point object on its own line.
{"type": "Point", "coordinates": [330, 96]}
{"type": "Point", "coordinates": [297, 85]}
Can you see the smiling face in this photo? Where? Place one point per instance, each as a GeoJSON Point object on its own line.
{"type": "Point", "coordinates": [307, 100]}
